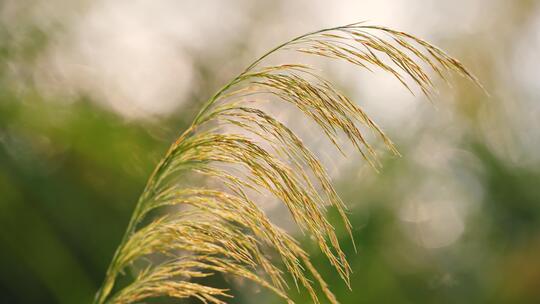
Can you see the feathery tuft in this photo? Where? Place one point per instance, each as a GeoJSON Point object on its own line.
{"type": "Point", "coordinates": [223, 230]}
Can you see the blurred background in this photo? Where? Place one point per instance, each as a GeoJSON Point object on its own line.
{"type": "Point", "coordinates": [93, 92]}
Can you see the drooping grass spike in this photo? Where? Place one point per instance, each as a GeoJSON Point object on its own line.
{"type": "Point", "coordinates": [207, 230]}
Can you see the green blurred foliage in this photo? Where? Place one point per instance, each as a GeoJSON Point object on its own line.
{"type": "Point", "coordinates": [70, 172]}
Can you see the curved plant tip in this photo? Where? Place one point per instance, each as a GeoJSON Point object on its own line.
{"type": "Point", "coordinates": [220, 229]}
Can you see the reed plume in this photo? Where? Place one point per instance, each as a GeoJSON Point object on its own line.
{"type": "Point", "coordinates": [210, 230]}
